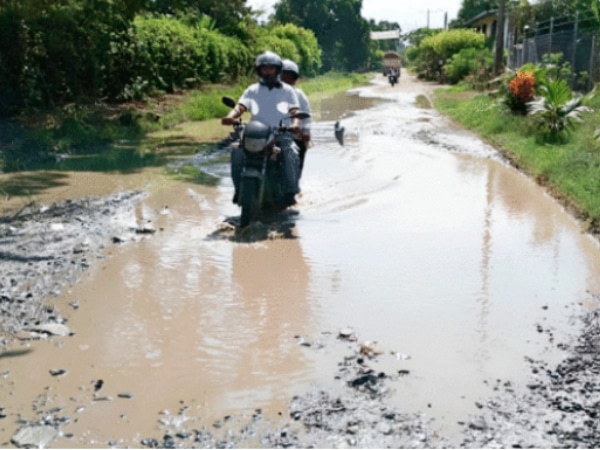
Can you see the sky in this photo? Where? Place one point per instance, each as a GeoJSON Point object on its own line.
{"type": "Point", "coordinates": [410, 14]}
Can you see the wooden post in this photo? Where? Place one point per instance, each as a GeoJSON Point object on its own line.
{"type": "Point", "coordinates": [498, 63]}
{"type": "Point", "coordinates": [575, 33]}
{"type": "Point", "coordinates": [551, 34]}
{"type": "Point", "coordinates": [592, 63]}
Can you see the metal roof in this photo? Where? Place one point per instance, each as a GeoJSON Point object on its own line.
{"type": "Point", "coordinates": [493, 12]}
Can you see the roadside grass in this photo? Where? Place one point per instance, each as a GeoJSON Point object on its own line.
{"type": "Point", "coordinates": [39, 139]}
{"type": "Point", "coordinates": [571, 170]}
{"type": "Point", "coordinates": [332, 82]}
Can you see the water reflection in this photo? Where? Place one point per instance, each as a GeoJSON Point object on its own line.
{"type": "Point", "coordinates": [114, 159]}
{"type": "Point", "coordinates": [345, 104]}
{"type": "Point", "coordinates": [271, 282]}
{"type": "Point", "coordinates": [31, 183]}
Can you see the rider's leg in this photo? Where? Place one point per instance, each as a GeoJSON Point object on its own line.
{"type": "Point", "coordinates": [302, 147]}
{"type": "Point", "coordinates": [291, 171]}
{"type": "Point", "coordinates": [237, 164]}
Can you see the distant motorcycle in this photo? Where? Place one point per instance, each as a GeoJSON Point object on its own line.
{"type": "Point", "coordinates": [261, 180]}
{"type": "Point", "coordinates": [393, 79]}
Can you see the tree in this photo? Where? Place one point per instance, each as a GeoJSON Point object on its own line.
{"type": "Point", "coordinates": [227, 14]}
{"type": "Point", "coordinates": [545, 9]}
{"type": "Point", "coordinates": [471, 8]}
{"type": "Point", "coordinates": [56, 50]}
{"type": "Point", "coordinates": [338, 26]}
{"type": "Point", "coordinates": [498, 60]}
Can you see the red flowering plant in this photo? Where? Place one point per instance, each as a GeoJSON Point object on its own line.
{"type": "Point", "coordinates": [520, 91]}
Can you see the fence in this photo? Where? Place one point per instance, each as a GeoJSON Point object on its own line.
{"type": "Point", "coordinates": [576, 39]}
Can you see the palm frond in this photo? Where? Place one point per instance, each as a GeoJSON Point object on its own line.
{"type": "Point", "coordinates": [557, 110]}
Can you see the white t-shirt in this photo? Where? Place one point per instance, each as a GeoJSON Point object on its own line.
{"type": "Point", "coordinates": [304, 107]}
{"type": "Point", "coordinates": [269, 106]}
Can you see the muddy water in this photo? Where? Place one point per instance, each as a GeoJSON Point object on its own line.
{"type": "Point", "coordinates": [415, 234]}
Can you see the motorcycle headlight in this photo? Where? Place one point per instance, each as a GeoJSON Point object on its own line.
{"type": "Point", "coordinates": [256, 136]}
{"type": "Point", "coordinates": [255, 145]}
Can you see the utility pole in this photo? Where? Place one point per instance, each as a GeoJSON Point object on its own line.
{"type": "Point", "coordinates": [498, 66]}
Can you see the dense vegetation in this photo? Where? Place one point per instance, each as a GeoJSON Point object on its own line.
{"type": "Point", "coordinates": [54, 52]}
{"type": "Point", "coordinates": [67, 66]}
{"type": "Point", "coordinates": [526, 11]}
{"type": "Point", "coordinates": [342, 32]}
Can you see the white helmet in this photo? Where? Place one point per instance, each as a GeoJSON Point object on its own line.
{"type": "Point", "coordinates": [291, 67]}
{"type": "Point", "coordinates": [268, 58]}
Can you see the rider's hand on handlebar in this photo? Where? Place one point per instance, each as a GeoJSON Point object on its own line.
{"type": "Point", "coordinates": [228, 121]}
{"type": "Point", "coordinates": [296, 130]}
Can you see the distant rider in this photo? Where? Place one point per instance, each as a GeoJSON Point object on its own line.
{"type": "Point", "coordinates": [269, 101]}
{"type": "Point", "coordinates": [290, 75]}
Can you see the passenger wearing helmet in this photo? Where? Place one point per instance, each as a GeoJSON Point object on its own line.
{"type": "Point", "coordinates": [290, 75]}
{"type": "Point", "coordinates": [269, 101]}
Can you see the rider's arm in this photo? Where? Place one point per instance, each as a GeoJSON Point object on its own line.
{"type": "Point", "coordinates": [234, 114]}
{"type": "Point", "coordinates": [295, 125]}
{"type": "Point", "coordinates": [305, 107]}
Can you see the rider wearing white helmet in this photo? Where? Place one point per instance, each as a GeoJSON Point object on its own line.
{"type": "Point", "coordinates": [290, 75]}
{"type": "Point", "coordinates": [269, 101]}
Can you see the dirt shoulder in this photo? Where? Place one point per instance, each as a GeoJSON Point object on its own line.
{"type": "Point", "coordinates": [45, 249]}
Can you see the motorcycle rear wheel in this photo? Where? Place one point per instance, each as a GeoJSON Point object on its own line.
{"type": "Point", "coordinates": [249, 202]}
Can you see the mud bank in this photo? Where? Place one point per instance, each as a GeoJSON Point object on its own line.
{"type": "Point", "coordinates": [44, 249]}
{"type": "Point", "coordinates": [557, 409]}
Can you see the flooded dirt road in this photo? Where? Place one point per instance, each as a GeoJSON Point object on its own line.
{"type": "Point", "coordinates": [414, 235]}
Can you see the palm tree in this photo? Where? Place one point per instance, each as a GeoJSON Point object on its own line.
{"type": "Point", "coordinates": [557, 110]}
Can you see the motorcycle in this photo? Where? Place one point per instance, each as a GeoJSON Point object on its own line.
{"type": "Point", "coordinates": [393, 79]}
{"type": "Point", "coordinates": [262, 174]}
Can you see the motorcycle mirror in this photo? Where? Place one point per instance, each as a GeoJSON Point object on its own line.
{"type": "Point", "coordinates": [228, 101]}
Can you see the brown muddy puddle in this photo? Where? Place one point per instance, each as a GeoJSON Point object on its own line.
{"type": "Point", "coordinates": [413, 234]}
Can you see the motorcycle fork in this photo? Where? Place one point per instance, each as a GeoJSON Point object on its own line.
{"type": "Point", "coordinates": [251, 171]}
{"type": "Point", "coordinates": [263, 174]}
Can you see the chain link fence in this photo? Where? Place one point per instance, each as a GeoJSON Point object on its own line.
{"type": "Point", "coordinates": [576, 40]}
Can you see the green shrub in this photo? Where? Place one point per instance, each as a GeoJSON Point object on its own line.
{"type": "Point", "coordinates": [291, 42]}
{"type": "Point", "coordinates": [554, 67]}
{"type": "Point", "coordinates": [168, 53]}
{"type": "Point", "coordinates": [436, 51]}
{"type": "Point", "coordinates": [307, 47]}
{"type": "Point", "coordinates": [477, 64]}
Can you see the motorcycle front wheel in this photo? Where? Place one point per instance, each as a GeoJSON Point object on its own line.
{"type": "Point", "coordinates": [249, 191]}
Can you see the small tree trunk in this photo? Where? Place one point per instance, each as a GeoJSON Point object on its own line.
{"type": "Point", "coordinates": [498, 62]}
